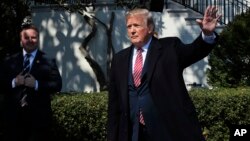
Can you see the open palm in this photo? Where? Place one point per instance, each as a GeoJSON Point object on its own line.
{"type": "Point", "coordinates": [209, 21]}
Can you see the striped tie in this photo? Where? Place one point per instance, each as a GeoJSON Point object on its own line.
{"type": "Point", "coordinates": [26, 69]}
{"type": "Point", "coordinates": [141, 119]}
{"type": "Point", "coordinates": [138, 68]}
{"type": "Point", "coordinates": [137, 76]}
{"type": "Point", "coordinates": [26, 64]}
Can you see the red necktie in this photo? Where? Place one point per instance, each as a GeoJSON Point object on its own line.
{"type": "Point", "coordinates": [138, 68]}
{"type": "Point", "coordinates": [137, 76]}
{"type": "Point", "coordinates": [141, 118]}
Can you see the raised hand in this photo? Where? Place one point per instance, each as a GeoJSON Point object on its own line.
{"type": "Point", "coordinates": [209, 21]}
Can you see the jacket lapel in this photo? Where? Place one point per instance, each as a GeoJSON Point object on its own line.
{"type": "Point", "coordinates": [36, 62]}
{"type": "Point", "coordinates": [154, 53]}
{"type": "Point", "coordinates": [19, 63]}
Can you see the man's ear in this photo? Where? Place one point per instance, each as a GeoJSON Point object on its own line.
{"type": "Point", "coordinates": [21, 44]}
{"type": "Point", "coordinates": [151, 29]}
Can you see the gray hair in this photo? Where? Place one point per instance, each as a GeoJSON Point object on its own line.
{"type": "Point", "coordinates": [142, 11]}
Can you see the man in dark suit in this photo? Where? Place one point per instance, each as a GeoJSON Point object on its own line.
{"type": "Point", "coordinates": [28, 79]}
{"type": "Point", "coordinates": [148, 100]}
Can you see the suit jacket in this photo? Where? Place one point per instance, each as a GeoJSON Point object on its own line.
{"type": "Point", "coordinates": [166, 60]}
{"type": "Point", "coordinates": [49, 80]}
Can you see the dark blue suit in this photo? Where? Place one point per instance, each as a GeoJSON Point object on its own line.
{"type": "Point", "coordinates": [36, 117]}
{"type": "Point", "coordinates": [140, 100]}
{"type": "Point", "coordinates": [168, 110]}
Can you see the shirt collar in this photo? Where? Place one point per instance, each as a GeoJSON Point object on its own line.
{"type": "Point", "coordinates": [146, 46]}
{"type": "Point", "coordinates": [33, 54]}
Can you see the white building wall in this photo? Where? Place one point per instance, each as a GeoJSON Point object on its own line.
{"type": "Point", "coordinates": [61, 34]}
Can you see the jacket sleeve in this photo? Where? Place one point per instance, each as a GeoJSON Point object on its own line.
{"type": "Point", "coordinates": [197, 50]}
{"type": "Point", "coordinates": [113, 107]}
{"type": "Point", "coordinates": [53, 82]}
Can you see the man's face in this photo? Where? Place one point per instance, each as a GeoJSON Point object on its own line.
{"type": "Point", "coordinates": [138, 30]}
{"type": "Point", "coordinates": [29, 40]}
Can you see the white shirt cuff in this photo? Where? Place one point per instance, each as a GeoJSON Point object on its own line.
{"type": "Point", "coordinates": [13, 82]}
{"type": "Point", "coordinates": [209, 39]}
{"type": "Point", "coordinates": [36, 85]}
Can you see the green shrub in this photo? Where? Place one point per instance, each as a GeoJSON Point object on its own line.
{"type": "Point", "coordinates": [230, 60]}
{"type": "Point", "coordinates": [220, 108]}
{"type": "Point", "coordinates": [83, 117]}
{"type": "Point", "coordinates": [12, 14]}
{"type": "Point", "coordinates": [80, 117]}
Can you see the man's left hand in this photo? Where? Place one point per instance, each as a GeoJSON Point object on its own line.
{"type": "Point", "coordinates": [209, 21]}
{"type": "Point", "coordinates": [30, 81]}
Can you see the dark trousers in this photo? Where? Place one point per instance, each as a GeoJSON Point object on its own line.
{"type": "Point", "coordinates": [22, 129]}
{"type": "Point", "coordinates": [143, 133]}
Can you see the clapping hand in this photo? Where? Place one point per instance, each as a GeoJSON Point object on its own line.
{"type": "Point", "coordinates": [209, 21]}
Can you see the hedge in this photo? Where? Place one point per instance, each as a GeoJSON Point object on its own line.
{"type": "Point", "coordinates": [220, 108]}
{"type": "Point", "coordinates": [82, 117]}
